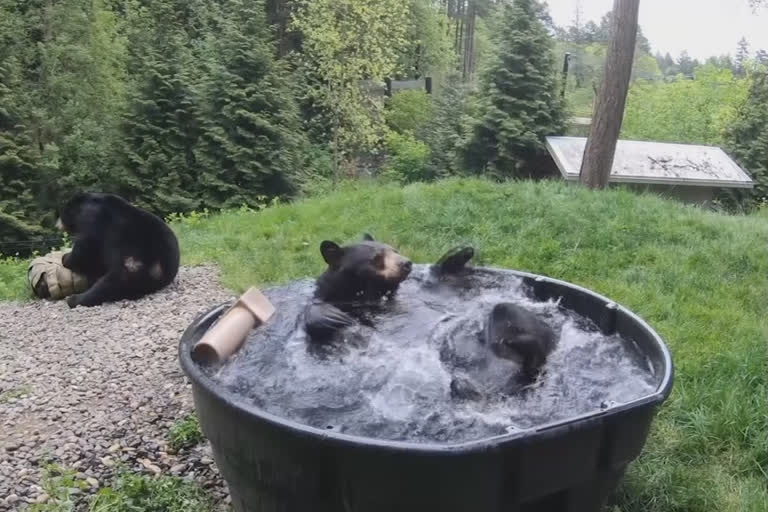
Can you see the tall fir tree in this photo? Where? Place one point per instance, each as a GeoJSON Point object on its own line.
{"type": "Point", "coordinates": [742, 54]}
{"type": "Point", "coordinates": [162, 126]}
{"type": "Point", "coordinates": [75, 80]}
{"type": "Point", "coordinates": [686, 65]}
{"type": "Point", "coordinates": [450, 126]}
{"type": "Point", "coordinates": [519, 101]}
{"type": "Point", "coordinates": [747, 137]}
{"type": "Point", "coordinates": [761, 56]}
{"type": "Point", "coordinates": [22, 177]}
{"type": "Point", "coordinates": [251, 135]}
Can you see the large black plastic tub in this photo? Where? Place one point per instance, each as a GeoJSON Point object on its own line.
{"type": "Point", "coordinates": [274, 464]}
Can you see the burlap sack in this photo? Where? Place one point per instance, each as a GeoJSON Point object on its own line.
{"type": "Point", "coordinates": [49, 279]}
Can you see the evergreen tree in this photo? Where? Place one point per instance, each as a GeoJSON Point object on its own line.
{"type": "Point", "coordinates": [24, 204]}
{"type": "Point", "coordinates": [519, 101]}
{"type": "Point", "coordinates": [449, 127]}
{"type": "Point", "coordinates": [747, 138]}
{"type": "Point", "coordinates": [721, 62]}
{"type": "Point", "coordinates": [162, 127]}
{"type": "Point", "coordinates": [21, 177]}
{"type": "Point", "coordinates": [762, 57]}
{"type": "Point", "coordinates": [591, 32]}
{"type": "Point", "coordinates": [742, 54]}
{"type": "Point", "coordinates": [73, 64]}
{"type": "Point", "coordinates": [251, 136]}
{"type": "Point", "coordinates": [685, 64]}
{"type": "Point", "coordinates": [669, 66]}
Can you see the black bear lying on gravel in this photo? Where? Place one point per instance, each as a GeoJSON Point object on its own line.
{"type": "Point", "coordinates": [124, 251]}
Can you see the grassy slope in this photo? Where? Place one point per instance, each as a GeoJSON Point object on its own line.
{"type": "Point", "coordinates": [697, 277]}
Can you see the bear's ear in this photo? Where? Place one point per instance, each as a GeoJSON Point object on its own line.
{"type": "Point", "coordinates": [331, 253]}
{"type": "Point", "coordinates": [368, 237]}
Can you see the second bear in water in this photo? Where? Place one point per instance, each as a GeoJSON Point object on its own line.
{"type": "Point", "coordinates": [513, 332]}
{"type": "Point", "coordinates": [510, 333]}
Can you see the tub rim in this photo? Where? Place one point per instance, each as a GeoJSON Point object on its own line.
{"type": "Point", "coordinates": [201, 380]}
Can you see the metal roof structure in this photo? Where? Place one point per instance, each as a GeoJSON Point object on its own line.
{"type": "Point", "coordinates": [655, 163]}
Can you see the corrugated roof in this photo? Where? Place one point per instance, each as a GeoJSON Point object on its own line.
{"type": "Point", "coordinates": [655, 163]}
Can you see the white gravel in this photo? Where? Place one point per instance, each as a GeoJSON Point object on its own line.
{"type": "Point", "coordinates": [93, 388]}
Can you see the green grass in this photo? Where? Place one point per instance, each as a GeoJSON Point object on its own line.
{"type": "Point", "coordinates": [12, 393]}
{"type": "Point", "coordinates": [13, 279]}
{"type": "Point", "coordinates": [130, 492]}
{"type": "Point", "coordinates": [134, 493]}
{"type": "Point", "coordinates": [59, 483]}
{"type": "Point", "coordinates": [698, 277]}
{"type": "Point", "coordinates": [185, 433]}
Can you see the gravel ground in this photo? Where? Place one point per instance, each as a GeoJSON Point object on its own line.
{"type": "Point", "coordinates": [95, 388]}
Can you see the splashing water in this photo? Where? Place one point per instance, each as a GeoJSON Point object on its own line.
{"type": "Point", "coordinates": [393, 381]}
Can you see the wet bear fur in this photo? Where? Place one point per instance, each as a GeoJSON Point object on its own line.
{"type": "Point", "coordinates": [358, 277]}
{"type": "Point", "coordinates": [124, 251]}
{"type": "Point", "coordinates": [513, 332]}
{"type": "Point", "coordinates": [516, 334]}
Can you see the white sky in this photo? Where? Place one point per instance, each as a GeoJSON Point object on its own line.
{"type": "Point", "coordinates": [703, 27]}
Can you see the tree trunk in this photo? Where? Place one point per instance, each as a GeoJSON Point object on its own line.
{"type": "Point", "coordinates": [460, 28]}
{"type": "Point", "coordinates": [467, 40]}
{"type": "Point", "coordinates": [609, 106]}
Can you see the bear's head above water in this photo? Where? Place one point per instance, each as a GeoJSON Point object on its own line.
{"type": "Point", "coordinates": [364, 271]}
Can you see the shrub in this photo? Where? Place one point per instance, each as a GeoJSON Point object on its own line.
{"type": "Point", "coordinates": [410, 110]}
{"type": "Point", "coordinates": [684, 111]}
{"type": "Point", "coordinates": [185, 433]}
{"type": "Point", "coordinates": [408, 158]}
{"type": "Point", "coordinates": [747, 141]}
{"type": "Point", "coordinates": [132, 492]}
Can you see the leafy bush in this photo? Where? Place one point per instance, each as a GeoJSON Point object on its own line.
{"type": "Point", "coordinates": [408, 158]}
{"type": "Point", "coordinates": [747, 140]}
{"type": "Point", "coordinates": [59, 484]}
{"type": "Point", "coordinates": [685, 111]}
{"type": "Point", "coordinates": [410, 110]}
{"type": "Point", "coordinates": [185, 433]}
{"type": "Point", "coordinates": [345, 42]}
{"type": "Point", "coordinates": [131, 493]}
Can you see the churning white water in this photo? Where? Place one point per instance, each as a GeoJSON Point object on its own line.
{"type": "Point", "coordinates": [393, 381]}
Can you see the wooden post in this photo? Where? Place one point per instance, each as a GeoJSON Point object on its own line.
{"type": "Point", "coordinates": [566, 61]}
{"type": "Point", "coordinates": [428, 84]}
{"type": "Point", "coordinates": [609, 108]}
